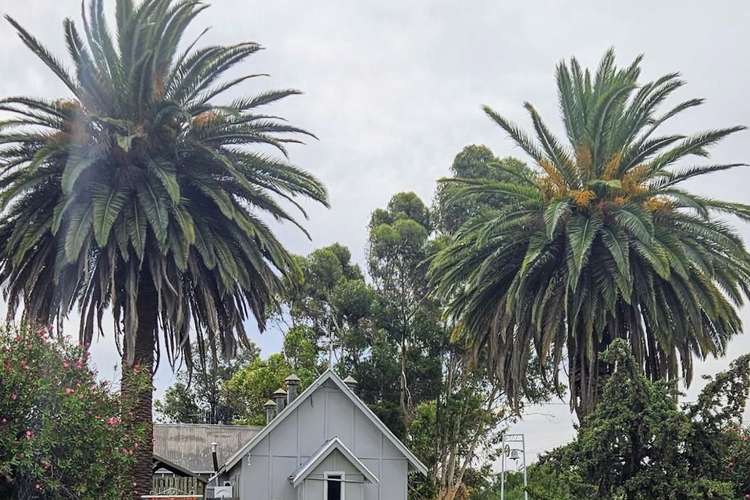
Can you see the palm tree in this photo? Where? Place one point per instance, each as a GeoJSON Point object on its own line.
{"type": "Point", "coordinates": [143, 196]}
{"type": "Point", "coordinates": [598, 241]}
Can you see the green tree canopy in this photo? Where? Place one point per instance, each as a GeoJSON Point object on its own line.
{"type": "Point", "coordinates": [598, 240]}
{"type": "Point", "coordinates": [253, 385]}
{"type": "Point", "coordinates": [198, 395]}
{"type": "Point", "coordinates": [473, 162]}
{"type": "Point", "coordinates": [398, 244]}
{"type": "Point", "coordinates": [639, 444]}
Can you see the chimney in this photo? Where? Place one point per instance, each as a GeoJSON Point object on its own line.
{"type": "Point", "coordinates": [351, 383]}
{"type": "Point", "coordinates": [292, 387]}
{"type": "Point", "coordinates": [215, 457]}
{"type": "Point", "coordinates": [270, 407]}
{"type": "Point", "coordinates": [280, 397]}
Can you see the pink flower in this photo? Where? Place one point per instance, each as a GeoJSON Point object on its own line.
{"type": "Point", "coordinates": [13, 396]}
{"type": "Point", "coordinates": [29, 434]}
{"type": "Point", "coordinates": [113, 421]}
{"type": "Point", "coordinates": [69, 391]}
{"type": "Point", "coordinates": [66, 364]}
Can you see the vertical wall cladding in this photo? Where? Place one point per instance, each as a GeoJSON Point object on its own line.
{"type": "Point", "coordinates": [313, 490]}
{"type": "Point", "coordinates": [323, 415]}
{"type": "Point", "coordinates": [368, 437]}
{"type": "Point", "coordinates": [281, 488]}
{"type": "Point", "coordinates": [371, 490]}
{"type": "Point", "coordinates": [336, 462]}
{"type": "Point", "coordinates": [254, 482]}
{"type": "Point", "coordinates": [311, 423]}
{"type": "Point", "coordinates": [340, 413]}
{"type": "Point", "coordinates": [395, 487]}
{"type": "Point", "coordinates": [284, 438]}
{"type": "Point", "coordinates": [235, 476]}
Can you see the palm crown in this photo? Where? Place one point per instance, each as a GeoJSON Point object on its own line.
{"type": "Point", "coordinates": [599, 240]}
{"type": "Point", "coordinates": [142, 180]}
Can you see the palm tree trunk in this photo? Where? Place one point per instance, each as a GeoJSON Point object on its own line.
{"type": "Point", "coordinates": [137, 389]}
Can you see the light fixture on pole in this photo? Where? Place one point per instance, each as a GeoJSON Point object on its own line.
{"type": "Point", "coordinates": [515, 452]}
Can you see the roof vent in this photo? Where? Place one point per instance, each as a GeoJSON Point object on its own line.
{"type": "Point", "coordinates": [351, 383]}
{"type": "Point", "coordinates": [280, 397]}
{"type": "Point", "coordinates": [270, 407]}
{"type": "Point", "coordinates": [292, 387]}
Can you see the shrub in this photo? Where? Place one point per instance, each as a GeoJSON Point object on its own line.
{"type": "Point", "coordinates": [60, 430]}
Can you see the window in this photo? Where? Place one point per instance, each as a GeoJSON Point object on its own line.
{"type": "Point", "coordinates": [333, 486]}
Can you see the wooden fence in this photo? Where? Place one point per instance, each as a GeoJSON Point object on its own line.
{"type": "Point", "coordinates": [168, 483]}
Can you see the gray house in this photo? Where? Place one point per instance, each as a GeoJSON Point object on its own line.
{"type": "Point", "coordinates": [324, 444]}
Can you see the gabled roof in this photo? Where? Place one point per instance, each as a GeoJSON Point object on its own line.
{"type": "Point", "coordinates": [325, 377]}
{"type": "Point", "coordinates": [329, 447]}
{"type": "Point", "coordinates": [160, 462]}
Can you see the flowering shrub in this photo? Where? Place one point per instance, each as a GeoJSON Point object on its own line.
{"type": "Point", "coordinates": [60, 431]}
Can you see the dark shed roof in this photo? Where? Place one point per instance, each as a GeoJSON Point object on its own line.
{"type": "Point", "coordinates": [189, 445]}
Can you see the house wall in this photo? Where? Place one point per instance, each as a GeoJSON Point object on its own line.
{"type": "Point", "coordinates": [325, 414]}
{"type": "Point", "coordinates": [313, 486]}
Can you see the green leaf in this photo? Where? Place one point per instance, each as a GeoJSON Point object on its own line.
{"type": "Point", "coordinates": [220, 198]}
{"type": "Point", "coordinates": [636, 221]}
{"type": "Point", "coordinates": [168, 178]}
{"type": "Point", "coordinates": [654, 253]}
{"type": "Point", "coordinates": [137, 230]}
{"type": "Point", "coordinates": [581, 231]}
{"type": "Point", "coordinates": [186, 224]}
{"type": "Point", "coordinates": [73, 170]}
{"type": "Point", "coordinates": [552, 215]}
{"type": "Point", "coordinates": [58, 213]}
{"type": "Point", "coordinates": [204, 245]}
{"type": "Point", "coordinates": [78, 231]}
{"type": "Point", "coordinates": [617, 245]}
{"type": "Point", "coordinates": [108, 204]}
{"type": "Point", "coordinates": [155, 209]}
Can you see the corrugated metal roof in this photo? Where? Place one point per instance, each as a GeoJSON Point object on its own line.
{"type": "Point", "coordinates": [189, 445]}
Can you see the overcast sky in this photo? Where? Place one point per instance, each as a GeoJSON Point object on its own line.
{"type": "Point", "coordinates": [393, 90]}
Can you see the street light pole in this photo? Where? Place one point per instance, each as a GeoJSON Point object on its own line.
{"type": "Point", "coordinates": [525, 478]}
{"type": "Point", "coordinates": [508, 451]}
{"type": "Point", "coordinates": [502, 472]}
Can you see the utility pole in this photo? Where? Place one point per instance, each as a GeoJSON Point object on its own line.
{"type": "Point", "coordinates": [519, 441]}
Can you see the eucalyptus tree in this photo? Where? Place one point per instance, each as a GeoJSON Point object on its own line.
{"type": "Point", "coordinates": [599, 239]}
{"type": "Point", "coordinates": [144, 195]}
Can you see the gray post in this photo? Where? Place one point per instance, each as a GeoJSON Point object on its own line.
{"type": "Point", "coordinates": [351, 383]}
{"type": "Point", "coordinates": [525, 480]}
{"type": "Point", "coordinates": [280, 397]}
{"type": "Point", "coordinates": [502, 472]}
{"type": "Point", "coordinates": [270, 407]}
{"type": "Point", "coordinates": [292, 387]}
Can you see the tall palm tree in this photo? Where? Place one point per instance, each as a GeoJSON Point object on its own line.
{"type": "Point", "coordinates": [144, 196]}
{"type": "Point", "coordinates": [598, 240]}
